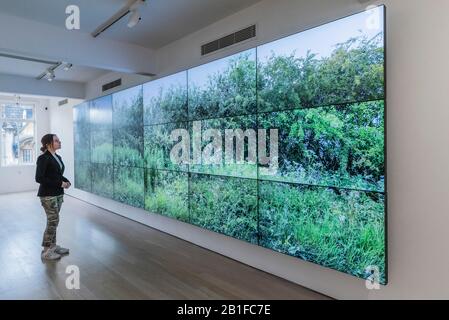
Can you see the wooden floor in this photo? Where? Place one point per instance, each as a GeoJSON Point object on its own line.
{"type": "Point", "coordinates": [119, 259]}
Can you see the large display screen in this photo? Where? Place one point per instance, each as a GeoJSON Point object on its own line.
{"type": "Point", "coordinates": [282, 145]}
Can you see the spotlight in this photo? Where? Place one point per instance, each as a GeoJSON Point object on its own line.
{"type": "Point", "coordinates": [68, 66]}
{"type": "Point", "coordinates": [134, 18]}
{"type": "Point", "coordinates": [50, 75]}
{"type": "Point", "coordinates": [131, 10]}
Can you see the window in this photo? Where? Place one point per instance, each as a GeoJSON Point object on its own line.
{"type": "Point", "coordinates": [17, 134]}
{"type": "Point", "coordinates": [27, 156]}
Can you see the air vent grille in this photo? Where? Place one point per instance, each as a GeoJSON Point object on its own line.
{"type": "Point", "coordinates": [226, 41]}
{"type": "Point", "coordinates": [245, 34]}
{"type": "Point", "coordinates": [63, 102]}
{"type": "Point", "coordinates": [112, 84]}
{"type": "Point", "coordinates": [210, 47]}
{"type": "Point", "coordinates": [229, 40]}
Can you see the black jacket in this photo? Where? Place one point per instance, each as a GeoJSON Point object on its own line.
{"type": "Point", "coordinates": [50, 175]}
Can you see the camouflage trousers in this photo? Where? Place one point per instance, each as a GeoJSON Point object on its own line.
{"type": "Point", "coordinates": [52, 206]}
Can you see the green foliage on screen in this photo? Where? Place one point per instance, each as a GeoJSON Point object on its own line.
{"type": "Point", "coordinates": [83, 176]}
{"type": "Point", "coordinates": [102, 180]}
{"type": "Point", "coordinates": [167, 193]}
{"type": "Point", "coordinates": [225, 205]}
{"type": "Point", "coordinates": [341, 146]}
{"type": "Point", "coordinates": [158, 145]}
{"type": "Point", "coordinates": [324, 92]}
{"type": "Point", "coordinates": [230, 88]}
{"type": "Point", "coordinates": [337, 228]}
{"type": "Point", "coordinates": [129, 186]}
{"type": "Point", "coordinates": [165, 100]}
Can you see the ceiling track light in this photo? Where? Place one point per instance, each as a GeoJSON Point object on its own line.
{"type": "Point", "coordinates": [17, 100]}
{"type": "Point", "coordinates": [50, 74]}
{"type": "Point", "coordinates": [67, 66]}
{"type": "Point", "coordinates": [134, 18]}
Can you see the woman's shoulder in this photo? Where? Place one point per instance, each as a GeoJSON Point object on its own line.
{"type": "Point", "coordinates": [43, 155]}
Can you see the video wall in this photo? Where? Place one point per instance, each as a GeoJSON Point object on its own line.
{"type": "Point", "coordinates": [282, 145]}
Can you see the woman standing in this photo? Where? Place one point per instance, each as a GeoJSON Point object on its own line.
{"type": "Point", "coordinates": [49, 174]}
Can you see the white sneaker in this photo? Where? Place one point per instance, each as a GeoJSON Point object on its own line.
{"type": "Point", "coordinates": [50, 254]}
{"type": "Point", "coordinates": [61, 251]}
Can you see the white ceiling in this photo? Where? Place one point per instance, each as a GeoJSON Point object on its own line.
{"type": "Point", "coordinates": [21, 68]}
{"type": "Point", "coordinates": [163, 21]}
{"type": "Point", "coordinates": [34, 69]}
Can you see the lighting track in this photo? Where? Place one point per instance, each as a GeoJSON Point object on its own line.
{"type": "Point", "coordinates": [53, 64]}
{"type": "Point", "coordinates": [12, 56]}
{"type": "Point", "coordinates": [52, 68]}
{"type": "Point", "coordinates": [115, 18]}
{"type": "Point", "coordinates": [106, 26]}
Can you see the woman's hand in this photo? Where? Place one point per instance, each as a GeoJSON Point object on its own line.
{"type": "Point", "coordinates": [65, 185]}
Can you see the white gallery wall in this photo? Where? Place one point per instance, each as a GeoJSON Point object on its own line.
{"type": "Point", "coordinates": [61, 124]}
{"type": "Point", "coordinates": [27, 85]}
{"type": "Point", "coordinates": [417, 145]}
{"type": "Point", "coordinates": [94, 87]}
